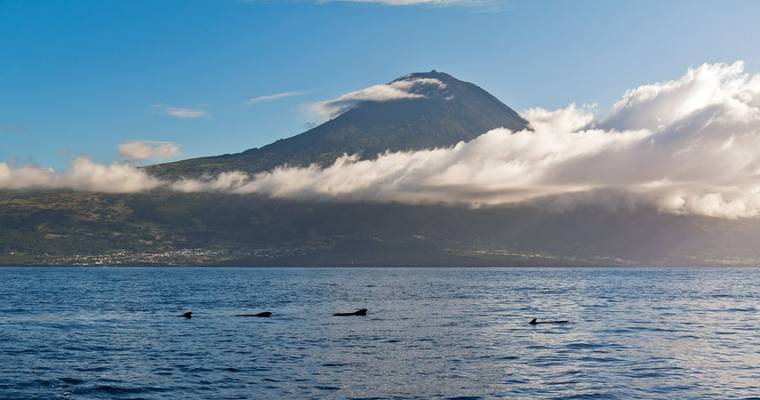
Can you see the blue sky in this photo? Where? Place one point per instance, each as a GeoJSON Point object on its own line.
{"type": "Point", "coordinates": [81, 77]}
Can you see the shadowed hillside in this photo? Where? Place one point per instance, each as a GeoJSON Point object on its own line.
{"type": "Point", "coordinates": [195, 229]}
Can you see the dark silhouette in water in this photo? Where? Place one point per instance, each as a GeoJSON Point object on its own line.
{"type": "Point", "coordinates": [362, 312]}
{"type": "Point", "coordinates": [187, 315]}
{"type": "Point", "coordinates": [534, 322]}
{"type": "Point", "coordinates": [265, 314]}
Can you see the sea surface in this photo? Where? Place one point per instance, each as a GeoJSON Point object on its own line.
{"type": "Point", "coordinates": [112, 333]}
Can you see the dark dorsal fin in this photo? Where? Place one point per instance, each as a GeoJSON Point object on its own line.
{"type": "Point", "coordinates": [360, 312]}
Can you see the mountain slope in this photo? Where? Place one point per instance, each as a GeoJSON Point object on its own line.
{"type": "Point", "coordinates": [64, 228]}
{"type": "Point", "coordinates": [440, 116]}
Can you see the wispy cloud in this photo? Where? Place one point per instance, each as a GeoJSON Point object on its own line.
{"type": "Point", "coordinates": [181, 112]}
{"type": "Point", "coordinates": [459, 3]}
{"type": "Point", "coordinates": [10, 129]}
{"type": "Point", "coordinates": [397, 90]}
{"type": "Point", "coordinates": [147, 150]}
{"type": "Point", "coordinates": [273, 97]}
{"type": "Point", "coordinates": [479, 5]}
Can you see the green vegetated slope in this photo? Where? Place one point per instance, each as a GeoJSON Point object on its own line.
{"type": "Point", "coordinates": [199, 229]}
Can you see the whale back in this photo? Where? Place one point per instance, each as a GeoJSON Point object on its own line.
{"type": "Point", "coordinates": [360, 312]}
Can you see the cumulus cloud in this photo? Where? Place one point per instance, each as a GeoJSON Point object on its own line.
{"type": "Point", "coordinates": [687, 146]}
{"type": "Point", "coordinates": [181, 112]}
{"type": "Point", "coordinates": [147, 150]}
{"type": "Point", "coordinates": [225, 181]}
{"type": "Point", "coordinates": [82, 174]}
{"type": "Point", "coordinates": [396, 90]}
{"type": "Point", "coordinates": [273, 97]}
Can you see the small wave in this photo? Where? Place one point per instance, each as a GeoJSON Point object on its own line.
{"type": "Point", "coordinates": [584, 345]}
{"type": "Point", "coordinates": [744, 309]}
{"type": "Point", "coordinates": [71, 381]}
{"type": "Point", "coordinates": [582, 396]}
{"type": "Point", "coordinates": [327, 388]}
{"type": "Point", "coordinates": [116, 390]}
{"type": "Point", "coordinates": [335, 365]}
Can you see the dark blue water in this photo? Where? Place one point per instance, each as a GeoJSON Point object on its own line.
{"type": "Point", "coordinates": [111, 333]}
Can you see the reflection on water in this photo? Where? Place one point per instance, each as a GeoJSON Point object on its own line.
{"type": "Point", "coordinates": [430, 333]}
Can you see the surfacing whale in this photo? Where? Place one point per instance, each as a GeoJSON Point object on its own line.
{"type": "Point", "coordinates": [265, 314]}
{"type": "Point", "coordinates": [534, 322]}
{"type": "Point", "coordinates": [361, 312]}
{"type": "Point", "coordinates": [187, 315]}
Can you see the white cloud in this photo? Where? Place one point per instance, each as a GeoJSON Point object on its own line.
{"type": "Point", "coordinates": [225, 181]}
{"type": "Point", "coordinates": [487, 5]}
{"type": "Point", "coordinates": [397, 90]}
{"type": "Point", "coordinates": [82, 174]}
{"type": "Point", "coordinates": [464, 3]}
{"type": "Point", "coordinates": [147, 150]}
{"type": "Point", "coordinates": [272, 97]}
{"type": "Point", "coordinates": [181, 112]}
{"type": "Point", "coordinates": [658, 105]}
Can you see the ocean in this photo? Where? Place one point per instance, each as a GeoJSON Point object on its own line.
{"type": "Point", "coordinates": [448, 333]}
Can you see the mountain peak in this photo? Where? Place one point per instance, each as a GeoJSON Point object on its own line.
{"type": "Point", "coordinates": [433, 74]}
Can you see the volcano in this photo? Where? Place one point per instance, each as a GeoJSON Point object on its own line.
{"type": "Point", "coordinates": [433, 110]}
